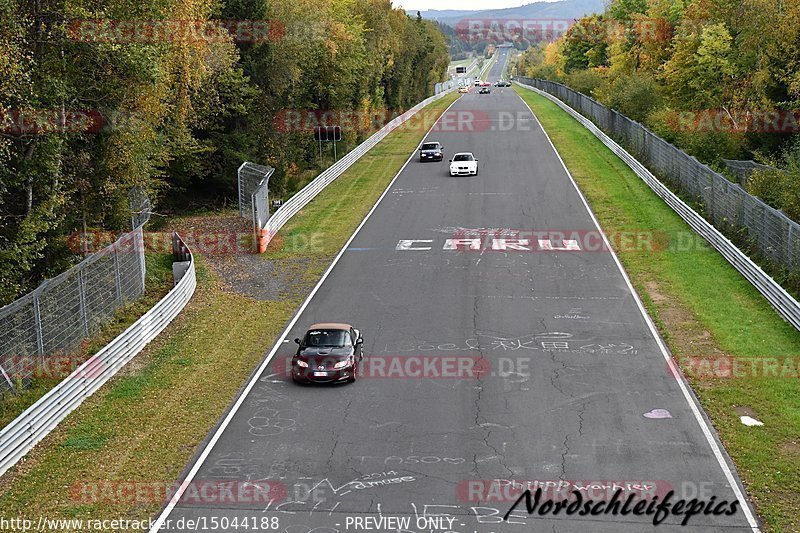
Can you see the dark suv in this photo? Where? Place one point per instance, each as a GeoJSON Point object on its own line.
{"type": "Point", "coordinates": [431, 151]}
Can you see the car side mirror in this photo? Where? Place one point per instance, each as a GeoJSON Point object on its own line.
{"type": "Point", "coordinates": [451, 160]}
{"type": "Point", "coordinates": [297, 341]}
{"type": "Point", "coordinates": [360, 340]}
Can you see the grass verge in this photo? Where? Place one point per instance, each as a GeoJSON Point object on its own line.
{"type": "Point", "coordinates": [145, 425]}
{"type": "Point", "coordinates": [706, 311]}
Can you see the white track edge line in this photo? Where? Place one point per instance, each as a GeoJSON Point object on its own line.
{"type": "Point", "coordinates": [674, 370]}
{"type": "Point", "coordinates": [158, 525]}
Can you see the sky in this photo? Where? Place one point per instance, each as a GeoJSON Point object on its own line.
{"type": "Point", "coordinates": [423, 5]}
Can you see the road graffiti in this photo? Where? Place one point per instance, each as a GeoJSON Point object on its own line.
{"type": "Point", "coordinates": [542, 342]}
{"type": "Point", "coordinates": [271, 422]}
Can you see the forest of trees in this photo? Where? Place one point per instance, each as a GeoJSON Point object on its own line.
{"type": "Point", "coordinates": [173, 95]}
{"type": "Point", "coordinates": [719, 78]}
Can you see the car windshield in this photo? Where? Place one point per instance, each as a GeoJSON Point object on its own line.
{"type": "Point", "coordinates": [463, 157]}
{"type": "Point", "coordinates": [327, 338]}
{"type": "Point", "coordinates": [430, 146]}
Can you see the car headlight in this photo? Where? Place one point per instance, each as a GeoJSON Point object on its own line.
{"type": "Point", "coordinates": [341, 364]}
{"type": "Point", "coordinates": [301, 364]}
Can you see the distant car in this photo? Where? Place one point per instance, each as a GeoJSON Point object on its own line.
{"type": "Point", "coordinates": [485, 90]}
{"type": "Point", "coordinates": [505, 83]}
{"type": "Point", "coordinates": [478, 82]}
{"type": "Point", "coordinates": [328, 353]}
{"type": "Point", "coordinates": [431, 151]}
{"type": "Point", "coordinates": [464, 164]}
{"type": "Point", "coordinates": [486, 84]}
{"type": "Point", "coordinates": [463, 89]}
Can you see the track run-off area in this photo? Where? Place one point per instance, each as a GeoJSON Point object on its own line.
{"type": "Point", "coordinates": [505, 350]}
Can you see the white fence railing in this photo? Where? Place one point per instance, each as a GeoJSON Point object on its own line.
{"type": "Point", "coordinates": [783, 302]}
{"type": "Point", "coordinates": [25, 431]}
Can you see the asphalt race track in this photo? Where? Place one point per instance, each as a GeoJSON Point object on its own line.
{"type": "Point", "coordinates": [552, 376]}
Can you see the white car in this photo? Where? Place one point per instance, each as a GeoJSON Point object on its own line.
{"type": "Point", "coordinates": [464, 164]}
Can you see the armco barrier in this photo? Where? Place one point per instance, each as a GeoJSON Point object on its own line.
{"type": "Point", "coordinates": [310, 191]}
{"type": "Point", "coordinates": [25, 431]}
{"type": "Point", "coordinates": [783, 302]}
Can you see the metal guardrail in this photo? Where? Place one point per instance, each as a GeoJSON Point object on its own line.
{"type": "Point", "coordinates": [781, 300]}
{"type": "Point", "coordinates": [310, 191]}
{"type": "Point", "coordinates": [25, 431]}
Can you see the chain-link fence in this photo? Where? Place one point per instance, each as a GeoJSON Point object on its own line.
{"type": "Point", "coordinates": [140, 205]}
{"type": "Point", "coordinates": [727, 205]}
{"type": "Point", "coordinates": [52, 321]}
{"type": "Point", "coordinates": [743, 169]}
{"type": "Point", "coordinates": [254, 198]}
{"type": "Point", "coordinates": [252, 189]}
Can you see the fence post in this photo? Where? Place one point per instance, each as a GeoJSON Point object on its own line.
{"type": "Point", "coordinates": [11, 386]}
{"type": "Point", "coordinates": [239, 181]}
{"type": "Point", "coordinates": [254, 215]}
{"type": "Point", "coordinates": [138, 241]}
{"type": "Point", "coordinates": [82, 302]}
{"type": "Point", "coordinates": [37, 325]}
{"type": "Point", "coordinates": [116, 274]}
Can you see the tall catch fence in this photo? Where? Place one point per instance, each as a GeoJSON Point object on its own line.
{"type": "Point", "coordinates": [52, 321]}
{"type": "Point", "coordinates": [254, 198]}
{"type": "Point", "coordinates": [743, 169]}
{"type": "Point", "coordinates": [727, 205]}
